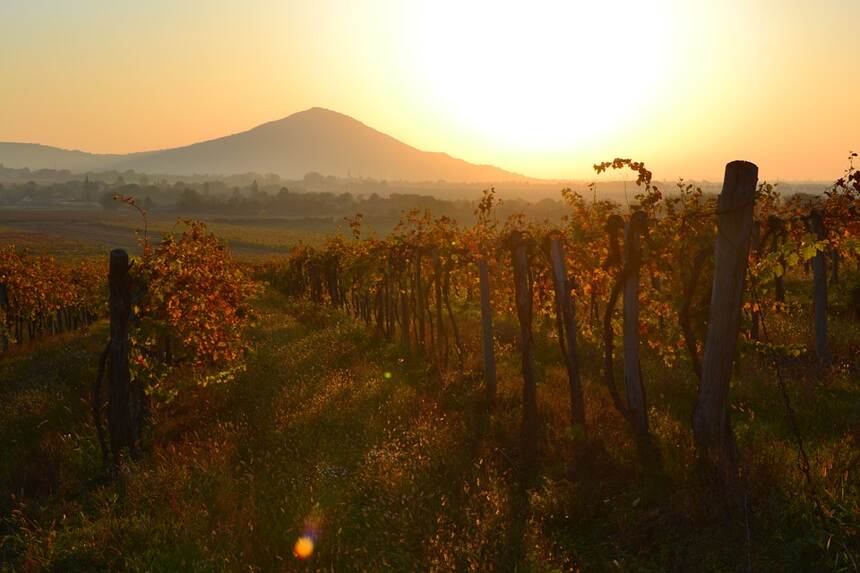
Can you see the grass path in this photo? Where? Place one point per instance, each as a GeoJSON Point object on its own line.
{"type": "Point", "coordinates": [387, 464]}
{"type": "Point", "coordinates": [327, 433]}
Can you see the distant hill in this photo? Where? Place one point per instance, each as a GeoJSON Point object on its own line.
{"type": "Point", "coordinates": [317, 139]}
{"type": "Point", "coordinates": [35, 156]}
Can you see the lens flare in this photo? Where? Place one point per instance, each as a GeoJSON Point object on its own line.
{"type": "Point", "coordinates": [304, 547]}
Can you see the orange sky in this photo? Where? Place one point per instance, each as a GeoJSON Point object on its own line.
{"type": "Point", "coordinates": [542, 88]}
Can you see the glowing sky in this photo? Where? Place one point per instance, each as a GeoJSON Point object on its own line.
{"type": "Point", "coordinates": [542, 88]}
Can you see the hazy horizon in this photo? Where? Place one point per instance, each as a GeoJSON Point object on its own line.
{"type": "Point", "coordinates": [544, 90]}
{"type": "Point", "coordinates": [27, 156]}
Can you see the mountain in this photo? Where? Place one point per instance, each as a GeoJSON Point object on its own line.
{"type": "Point", "coordinates": [317, 139]}
{"type": "Point", "coordinates": [37, 156]}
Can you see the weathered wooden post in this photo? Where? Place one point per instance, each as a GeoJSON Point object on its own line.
{"type": "Point", "coordinates": [441, 335]}
{"type": "Point", "coordinates": [567, 335]}
{"type": "Point", "coordinates": [120, 420]}
{"type": "Point", "coordinates": [711, 426]}
{"type": "Point", "coordinates": [4, 308]}
{"type": "Point", "coordinates": [420, 332]}
{"type": "Point", "coordinates": [819, 281]}
{"type": "Point", "coordinates": [632, 368]}
{"type": "Point", "coordinates": [835, 257]}
{"type": "Point", "coordinates": [523, 288]}
{"type": "Point", "coordinates": [487, 331]}
{"type": "Point", "coordinates": [404, 314]}
{"type": "Point", "coordinates": [455, 330]}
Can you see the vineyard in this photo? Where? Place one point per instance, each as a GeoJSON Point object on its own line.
{"type": "Point", "coordinates": [41, 297]}
{"type": "Point", "coordinates": [659, 260]}
{"type": "Point", "coordinates": [610, 392]}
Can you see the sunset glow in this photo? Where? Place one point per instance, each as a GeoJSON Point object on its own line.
{"type": "Point", "coordinates": [429, 285]}
{"type": "Point", "coordinates": [542, 88]}
{"type": "Point", "coordinates": [550, 63]}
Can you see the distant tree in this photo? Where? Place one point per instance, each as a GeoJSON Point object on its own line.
{"type": "Point", "coordinates": [235, 199]}
{"type": "Point", "coordinates": [89, 189]}
{"type": "Point", "coordinates": [314, 179]}
{"type": "Point", "coordinates": [190, 200]}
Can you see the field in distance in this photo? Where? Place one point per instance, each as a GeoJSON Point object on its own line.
{"type": "Point", "coordinates": [72, 232]}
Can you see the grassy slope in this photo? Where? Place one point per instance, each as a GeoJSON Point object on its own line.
{"type": "Point", "coordinates": [70, 233]}
{"type": "Point", "coordinates": [402, 472]}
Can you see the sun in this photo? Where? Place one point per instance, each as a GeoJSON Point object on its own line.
{"type": "Point", "coordinates": [542, 75]}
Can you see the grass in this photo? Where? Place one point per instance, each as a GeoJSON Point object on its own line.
{"type": "Point", "coordinates": [75, 232]}
{"type": "Point", "coordinates": [393, 465]}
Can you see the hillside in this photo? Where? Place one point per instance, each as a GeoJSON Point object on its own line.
{"type": "Point", "coordinates": [317, 139]}
{"type": "Point", "coordinates": [35, 156]}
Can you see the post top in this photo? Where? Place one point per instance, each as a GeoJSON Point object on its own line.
{"type": "Point", "coordinates": [739, 184]}
{"type": "Point", "coordinates": [118, 262]}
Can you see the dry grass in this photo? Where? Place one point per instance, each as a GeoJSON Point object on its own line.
{"type": "Point", "coordinates": [411, 471]}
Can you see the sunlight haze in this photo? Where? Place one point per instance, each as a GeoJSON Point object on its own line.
{"type": "Point", "coordinates": [540, 88]}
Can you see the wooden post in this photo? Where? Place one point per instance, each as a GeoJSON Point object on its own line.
{"type": "Point", "coordinates": [4, 308]}
{"type": "Point", "coordinates": [711, 425]}
{"type": "Point", "coordinates": [819, 281]}
{"type": "Point", "coordinates": [487, 332]}
{"type": "Point", "coordinates": [441, 335]}
{"type": "Point", "coordinates": [404, 313]}
{"type": "Point", "coordinates": [568, 335]}
{"type": "Point", "coordinates": [446, 296]}
{"type": "Point", "coordinates": [419, 304]}
{"type": "Point", "coordinates": [119, 378]}
{"type": "Point", "coordinates": [632, 368]}
{"type": "Point", "coordinates": [524, 298]}
{"type": "Point", "coordinates": [835, 256]}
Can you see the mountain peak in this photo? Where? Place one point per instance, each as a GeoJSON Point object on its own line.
{"type": "Point", "coordinates": [316, 114]}
{"type": "Point", "coordinates": [316, 139]}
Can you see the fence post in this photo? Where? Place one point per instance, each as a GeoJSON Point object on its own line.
{"type": "Point", "coordinates": [4, 308]}
{"type": "Point", "coordinates": [524, 288]}
{"type": "Point", "coordinates": [819, 281]}
{"type": "Point", "coordinates": [835, 257]}
{"type": "Point", "coordinates": [711, 426]}
{"type": "Point", "coordinates": [441, 335]}
{"type": "Point", "coordinates": [568, 335]}
{"type": "Point", "coordinates": [487, 331]}
{"type": "Point", "coordinates": [404, 312]}
{"type": "Point", "coordinates": [632, 368]}
{"type": "Point", "coordinates": [120, 421]}
{"type": "Point", "coordinates": [419, 304]}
